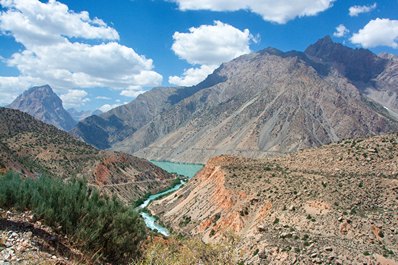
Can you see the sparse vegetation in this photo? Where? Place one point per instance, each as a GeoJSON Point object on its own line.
{"type": "Point", "coordinates": [188, 251]}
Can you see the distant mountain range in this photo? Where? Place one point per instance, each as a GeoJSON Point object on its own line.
{"type": "Point", "coordinates": [81, 115]}
{"type": "Point", "coordinates": [32, 147]}
{"type": "Point", "coordinates": [261, 103]}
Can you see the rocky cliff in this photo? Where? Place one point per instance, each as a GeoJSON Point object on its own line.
{"type": "Point", "coordinates": [333, 205]}
{"type": "Point", "coordinates": [43, 104]}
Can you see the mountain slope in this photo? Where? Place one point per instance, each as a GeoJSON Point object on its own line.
{"type": "Point", "coordinates": [105, 130]}
{"type": "Point", "coordinates": [263, 103]}
{"type": "Point", "coordinates": [43, 104]}
{"type": "Point", "coordinates": [268, 103]}
{"type": "Point", "coordinates": [32, 147]}
{"type": "Point", "coordinates": [336, 204]}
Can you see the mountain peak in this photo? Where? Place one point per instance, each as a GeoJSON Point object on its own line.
{"type": "Point", "coordinates": [358, 65]}
{"type": "Point", "coordinates": [42, 103]}
{"type": "Point", "coordinates": [44, 88]}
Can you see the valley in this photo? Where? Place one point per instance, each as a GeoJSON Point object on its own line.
{"type": "Point", "coordinates": [185, 170]}
{"type": "Point", "coordinates": [331, 205]}
{"type": "Point", "coordinates": [275, 158]}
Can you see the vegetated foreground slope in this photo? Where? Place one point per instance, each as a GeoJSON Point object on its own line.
{"type": "Point", "coordinates": [336, 204]}
{"type": "Point", "coordinates": [33, 147]}
{"type": "Point", "coordinates": [42, 103]}
{"type": "Point", "coordinates": [267, 102]}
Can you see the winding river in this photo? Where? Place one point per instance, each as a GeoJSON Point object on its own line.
{"type": "Point", "coordinates": [187, 170]}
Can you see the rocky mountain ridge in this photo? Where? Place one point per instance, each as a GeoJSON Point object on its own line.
{"type": "Point", "coordinates": [269, 102]}
{"type": "Point", "coordinates": [43, 104]}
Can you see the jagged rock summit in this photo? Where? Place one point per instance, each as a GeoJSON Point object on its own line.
{"type": "Point", "coordinates": [42, 103]}
{"type": "Point", "coordinates": [268, 102]}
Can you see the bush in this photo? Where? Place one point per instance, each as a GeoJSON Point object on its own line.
{"type": "Point", "coordinates": [189, 251]}
{"type": "Point", "coordinates": [96, 223]}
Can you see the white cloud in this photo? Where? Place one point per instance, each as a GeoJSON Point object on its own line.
{"type": "Point", "coordinates": [12, 86]}
{"type": "Point", "coordinates": [74, 98]}
{"type": "Point", "coordinates": [108, 107]}
{"type": "Point", "coordinates": [341, 31]}
{"type": "Point", "coordinates": [208, 46]}
{"type": "Point", "coordinates": [356, 10]}
{"type": "Point", "coordinates": [132, 91]}
{"type": "Point", "coordinates": [102, 98]}
{"type": "Point", "coordinates": [280, 11]}
{"type": "Point", "coordinates": [57, 52]}
{"type": "Point", "coordinates": [378, 32]}
{"type": "Point", "coordinates": [192, 76]}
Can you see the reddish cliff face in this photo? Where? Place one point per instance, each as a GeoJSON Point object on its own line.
{"type": "Point", "coordinates": [336, 204]}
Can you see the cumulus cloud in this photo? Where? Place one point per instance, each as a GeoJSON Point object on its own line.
{"type": "Point", "coordinates": [108, 107]}
{"type": "Point", "coordinates": [208, 46]}
{"type": "Point", "coordinates": [378, 32]}
{"type": "Point", "coordinates": [192, 76]}
{"type": "Point", "coordinates": [74, 98]}
{"type": "Point", "coordinates": [59, 50]}
{"type": "Point", "coordinates": [12, 86]}
{"type": "Point", "coordinates": [132, 91]}
{"type": "Point", "coordinates": [356, 10]}
{"type": "Point", "coordinates": [280, 11]}
{"type": "Point", "coordinates": [341, 31]}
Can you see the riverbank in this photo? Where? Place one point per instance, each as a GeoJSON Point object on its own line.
{"type": "Point", "coordinates": [185, 171]}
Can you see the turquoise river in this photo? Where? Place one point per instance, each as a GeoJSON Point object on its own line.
{"type": "Point", "coordinates": [187, 170]}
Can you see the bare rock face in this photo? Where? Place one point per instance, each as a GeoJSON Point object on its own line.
{"type": "Point", "coordinates": [43, 104]}
{"type": "Point", "coordinates": [264, 103]}
{"type": "Point", "coordinates": [336, 204]}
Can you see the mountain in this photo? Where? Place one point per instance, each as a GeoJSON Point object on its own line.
{"type": "Point", "coordinates": [336, 204]}
{"type": "Point", "coordinates": [43, 104]}
{"type": "Point", "coordinates": [32, 147]}
{"type": "Point", "coordinates": [268, 102]}
{"type": "Point", "coordinates": [81, 115]}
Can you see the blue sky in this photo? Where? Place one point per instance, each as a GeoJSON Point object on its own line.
{"type": "Point", "coordinates": [101, 53]}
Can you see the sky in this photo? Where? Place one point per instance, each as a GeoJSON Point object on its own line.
{"type": "Point", "coordinates": [98, 54]}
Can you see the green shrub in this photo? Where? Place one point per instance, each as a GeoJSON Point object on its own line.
{"type": "Point", "coordinates": [96, 223]}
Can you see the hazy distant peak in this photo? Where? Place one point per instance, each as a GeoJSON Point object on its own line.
{"type": "Point", "coordinates": [42, 103]}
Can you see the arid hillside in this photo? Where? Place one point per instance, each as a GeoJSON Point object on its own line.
{"type": "Point", "coordinates": [337, 204]}
{"type": "Point", "coordinates": [33, 147]}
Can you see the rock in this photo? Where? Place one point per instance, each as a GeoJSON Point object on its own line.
{"type": "Point", "coordinates": [261, 228]}
{"type": "Point", "coordinates": [317, 261]}
{"type": "Point", "coordinates": [262, 254]}
{"type": "Point", "coordinates": [338, 262]}
{"type": "Point", "coordinates": [328, 248]}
